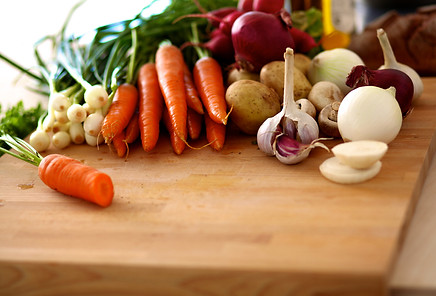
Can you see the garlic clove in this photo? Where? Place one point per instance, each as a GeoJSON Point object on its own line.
{"type": "Point", "coordinates": [360, 154]}
{"type": "Point", "coordinates": [335, 171]}
{"type": "Point", "coordinates": [267, 133]}
{"type": "Point", "coordinates": [291, 151]}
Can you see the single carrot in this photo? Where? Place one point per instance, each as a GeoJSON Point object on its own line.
{"type": "Point", "coordinates": [195, 122]}
{"type": "Point", "coordinates": [192, 98]}
{"type": "Point", "coordinates": [208, 80]}
{"type": "Point", "coordinates": [177, 143]}
{"type": "Point", "coordinates": [169, 67]}
{"type": "Point", "coordinates": [215, 133]}
{"type": "Point", "coordinates": [132, 129]}
{"type": "Point", "coordinates": [120, 111]}
{"type": "Point", "coordinates": [120, 144]}
{"type": "Point", "coordinates": [64, 174]}
{"type": "Point", "coordinates": [150, 105]}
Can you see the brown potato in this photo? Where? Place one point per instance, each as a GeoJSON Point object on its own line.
{"type": "Point", "coordinates": [239, 74]}
{"type": "Point", "coordinates": [273, 75]}
{"type": "Point", "coordinates": [302, 62]}
{"type": "Point", "coordinates": [252, 103]}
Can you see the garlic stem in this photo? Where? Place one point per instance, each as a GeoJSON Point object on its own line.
{"type": "Point", "coordinates": [388, 53]}
{"type": "Point", "coordinates": [289, 104]}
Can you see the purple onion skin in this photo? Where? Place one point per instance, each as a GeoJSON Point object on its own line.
{"type": "Point", "coordinates": [362, 76]}
{"type": "Point", "coordinates": [259, 38]}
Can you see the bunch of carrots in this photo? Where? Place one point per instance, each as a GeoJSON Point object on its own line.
{"type": "Point", "coordinates": [168, 91]}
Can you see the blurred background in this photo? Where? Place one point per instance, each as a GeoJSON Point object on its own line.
{"type": "Point", "coordinates": [24, 22]}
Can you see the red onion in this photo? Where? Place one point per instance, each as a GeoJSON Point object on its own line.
{"type": "Point", "coordinates": [259, 38]}
{"type": "Point", "coordinates": [362, 76]}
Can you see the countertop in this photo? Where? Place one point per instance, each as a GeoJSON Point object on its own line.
{"type": "Point", "coordinates": [415, 269]}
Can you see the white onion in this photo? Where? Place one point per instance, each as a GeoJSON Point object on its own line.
{"type": "Point", "coordinates": [370, 113]}
{"type": "Point", "coordinates": [333, 65]}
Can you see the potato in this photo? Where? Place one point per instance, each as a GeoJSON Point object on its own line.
{"type": "Point", "coordinates": [273, 75]}
{"type": "Point", "coordinates": [252, 103]}
{"type": "Point", "coordinates": [239, 74]}
{"type": "Point", "coordinates": [302, 62]}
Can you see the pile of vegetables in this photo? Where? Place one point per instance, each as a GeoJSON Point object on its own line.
{"type": "Point", "coordinates": [204, 63]}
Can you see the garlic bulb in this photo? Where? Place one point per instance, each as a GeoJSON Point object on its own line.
{"type": "Point", "coordinates": [291, 133]}
{"type": "Point", "coordinates": [370, 113]}
{"type": "Point", "coordinates": [390, 62]}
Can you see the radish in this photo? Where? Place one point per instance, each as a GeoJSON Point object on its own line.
{"type": "Point", "coordinates": [259, 38]}
{"type": "Point", "coordinates": [220, 13]}
{"type": "Point", "coordinates": [245, 5]}
{"type": "Point", "coordinates": [269, 6]}
{"type": "Point", "coordinates": [304, 42]}
{"type": "Point", "coordinates": [221, 46]}
{"type": "Point", "coordinates": [226, 23]}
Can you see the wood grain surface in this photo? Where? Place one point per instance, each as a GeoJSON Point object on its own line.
{"type": "Point", "coordinates": [234, 222]}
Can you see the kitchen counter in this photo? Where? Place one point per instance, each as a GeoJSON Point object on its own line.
{"type": "Point", "coordinates": [187, 240]}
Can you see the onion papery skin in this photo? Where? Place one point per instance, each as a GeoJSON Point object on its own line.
{"type": "Point", "coordinates": [385, 78]}
{"type": "Point", "coordinates": [369, 113]}
{"type": "Point", "coordinates": [333, 65]}
{"type": "Point", "coordinates": [259, 38]}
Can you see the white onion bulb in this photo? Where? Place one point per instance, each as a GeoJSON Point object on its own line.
{"type": "Point", "coordinates": [370, 113]}
{"type": "Point", "coordinates": [333, 65]}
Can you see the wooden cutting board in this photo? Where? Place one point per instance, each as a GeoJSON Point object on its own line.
{"type": "Point", "coordinates": [234, 222]}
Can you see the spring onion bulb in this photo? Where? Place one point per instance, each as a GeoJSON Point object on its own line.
{"type": "Point", "coordinates": [92, 124]}
{"type": "Point", "coordinates": [96, 96]}
{"type": "Point", "coordinates": [40, 140]}
{"type": "Point", "coordinates": [61, 139]}
{"type": "Point", "coordinates": [370, 113]}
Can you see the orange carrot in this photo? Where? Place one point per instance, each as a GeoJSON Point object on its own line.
{"type": "Point", "coordinates": [150, 106]}
{"type": "Point", "coordinates": [120, 144]}
{"type": "Point", "coordinates": [62, 173]}
{"type": "Point", "coordinates": [192, 98]}
{"type": "Point", "coordinates": [215, 133]}
{"type": "Point", "coordinates": [169, 67]}
{"type": "Point", "coordinates": [176, 142]}
{"type": "Point", "coordinates": [120, 111]}
{"type": "Point", "coordinates": [71, 177]}
{"type": "Point", "coordinates": [132, 129]}
{"type": "Point", "coordinates": [195, 122]}
{"type": "Point", "coordinates": [210, 86]}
